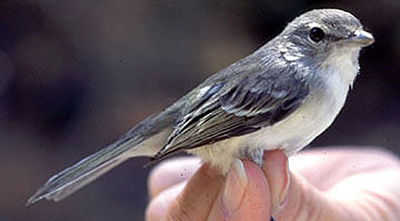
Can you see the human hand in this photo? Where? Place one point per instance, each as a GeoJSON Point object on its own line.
{"type": "Point", "coordinates": [323, 184]}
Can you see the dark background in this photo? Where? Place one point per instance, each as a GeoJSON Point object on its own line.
{"type": "Point", "coordinates": [74, 75]}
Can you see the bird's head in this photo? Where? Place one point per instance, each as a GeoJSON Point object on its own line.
{"type": "Point", "coordinates": [319, 35]}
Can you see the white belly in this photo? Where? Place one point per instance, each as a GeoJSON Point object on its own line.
{"type": "Point", "coordinates": [300, 128]}
{"type": "Point", "coordinates": [291, 134]}
{"type": "Point", "coordinates": [297, 130]}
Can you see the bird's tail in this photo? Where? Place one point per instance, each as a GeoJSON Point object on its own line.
{"type": "Point", "coordinates": [143, 140]}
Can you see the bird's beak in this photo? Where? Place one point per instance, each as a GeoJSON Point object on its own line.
{"type": "Point", "coordinates": [361, 38]}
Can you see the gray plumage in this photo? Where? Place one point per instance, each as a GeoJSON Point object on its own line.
{"type": "Point", "coordinates": [280, 97]}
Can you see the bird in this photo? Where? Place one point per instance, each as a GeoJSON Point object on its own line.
{"type": "Point", "coordinates": [281, 96]}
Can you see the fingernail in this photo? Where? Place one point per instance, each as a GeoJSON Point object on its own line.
{"type": "Point", "coordinates": [277, 171]}
{"type": "Point", "coordinates": [235, 187]}
{"type": "Point", "coordinates": [280, 202]}
{"type": "Point", "coordinates": [285, 190]}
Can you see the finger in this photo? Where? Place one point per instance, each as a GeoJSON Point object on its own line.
{"type": "Point", "coordinates": [348, 200]}
{"type": "Point", "coordinates": [245, 195]}
{"type": "Point", "coordinates": [196, 199]}
{"type": "Point", "coordinates": [370, 196]}
{"type": "Point", "coordinates": [171, 172]}
{"type": "Point", "coordinates": [371, 187]}
{"type": "Point", "coordinates": [292, 197]}
{"type": "Point", "coordinates": [361, 183]}
{"type": "Point", "coordinates": [343, 162]}
{"type": "Point", "coordinates": [275, 168]}
{"type": "Point", "coordinates": [158, 206]}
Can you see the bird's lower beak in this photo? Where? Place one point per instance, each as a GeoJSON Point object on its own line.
{"type": "Point", "coordinates": [362, 38]}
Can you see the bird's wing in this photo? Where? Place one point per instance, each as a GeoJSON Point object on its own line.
{"type": "Point", "coordinates": [226, 109]}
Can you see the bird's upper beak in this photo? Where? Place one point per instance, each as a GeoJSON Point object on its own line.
{"type": "Point", "coordinates": [361, 38]}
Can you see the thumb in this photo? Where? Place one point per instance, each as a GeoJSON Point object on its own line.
{"type": "Point", "coordinates": [292, 196]}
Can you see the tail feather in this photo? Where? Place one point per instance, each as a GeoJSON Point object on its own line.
{"type": "Point", "coordinates": [73, 178]}
{"type": "Point", "coordinates": [143, 140]}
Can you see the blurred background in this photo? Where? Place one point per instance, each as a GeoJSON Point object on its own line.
{"type": "Point", "coordinates": [75, 75]}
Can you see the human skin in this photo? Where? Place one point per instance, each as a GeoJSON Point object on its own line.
{"type": "Point", "coordinates": [336, 183]}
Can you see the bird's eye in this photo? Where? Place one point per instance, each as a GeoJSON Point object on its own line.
{"type": "Point", "coordinates": [317, 34]}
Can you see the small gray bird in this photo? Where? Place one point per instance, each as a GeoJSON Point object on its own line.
{"type": "Point", "coordinates": [280, 97]}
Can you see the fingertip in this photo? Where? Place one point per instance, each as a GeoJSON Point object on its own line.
{"type": "Point", "coordinates": [256, 203]}
{"type": "Point", "coordinates": [293, 198]}
{"type": "Point", "coordinates": [275, 167]}
{"type": "Point", "coordinates": [170, 172]}
{"type": "Point", "coordinates": [157, 208]}
{"type": "Point", "coordinates": [196, 199]}
{"type": "Point", "coordinates": [235, 187]}
{"type": "Point", "coordinates": [245, 195]}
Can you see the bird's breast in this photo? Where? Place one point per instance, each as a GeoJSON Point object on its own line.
{"type": "Point", "coordinates": [316, 114]}
{"type": "Point", "coordinates": [291, 134]}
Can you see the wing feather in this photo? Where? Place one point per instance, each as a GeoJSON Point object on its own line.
{"type": "Point", "coordinates": [258, 99]}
